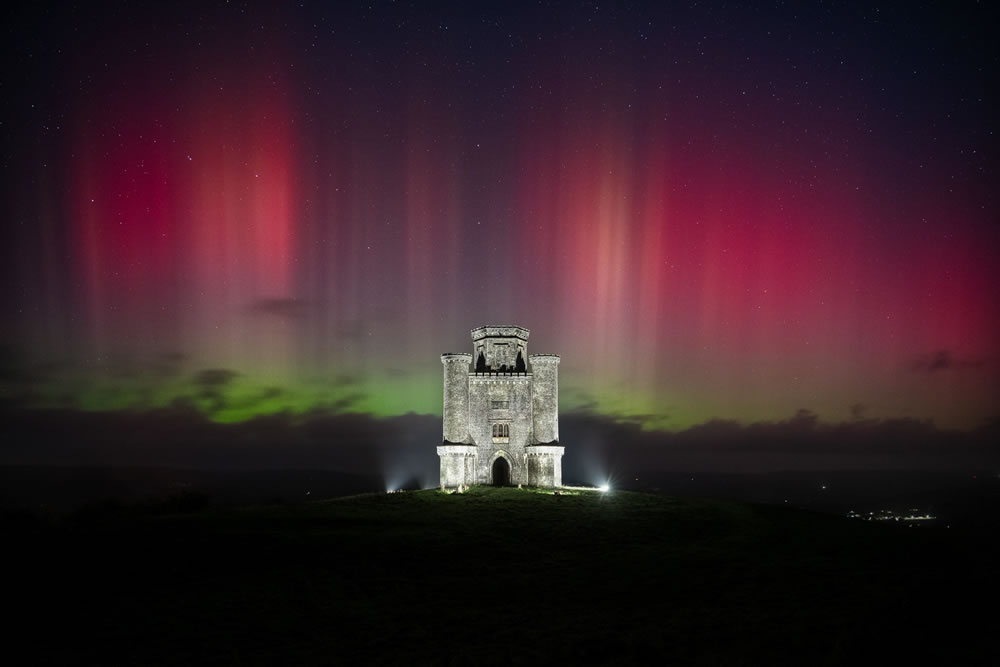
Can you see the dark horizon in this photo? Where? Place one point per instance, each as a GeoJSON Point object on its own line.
{"type": "Point", "coordinates": [183, 437]}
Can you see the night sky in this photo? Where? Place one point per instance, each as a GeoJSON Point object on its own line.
{"type": "Point", "coordinates": [711, 212]}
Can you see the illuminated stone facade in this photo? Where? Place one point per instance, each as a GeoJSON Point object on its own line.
{"type": "Point", "coordinates": [501, 413]}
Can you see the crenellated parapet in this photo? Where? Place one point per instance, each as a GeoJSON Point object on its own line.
{"type": "Point", "coordinates": [543, 358]}
{"type": "Point", "coordinates": [500, 331]}
{"type": "Point", "coordinates": [500, 348]}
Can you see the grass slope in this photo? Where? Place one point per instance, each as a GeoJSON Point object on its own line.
{"type": "Point", "coordinates": [494, 576]}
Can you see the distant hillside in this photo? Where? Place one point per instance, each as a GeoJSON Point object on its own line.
{"type": "Point", "coordinates": [494, 576]}
{"type": "Point", "coordinates": [66, 488]}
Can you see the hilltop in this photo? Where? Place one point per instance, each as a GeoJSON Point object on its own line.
{"type": "Point", "coordinates": [493, 576]}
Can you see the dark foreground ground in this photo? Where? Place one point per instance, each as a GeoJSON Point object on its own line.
{"type": "Point", "coordinates": [494, 576]}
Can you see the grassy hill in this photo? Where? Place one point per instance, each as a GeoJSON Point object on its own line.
{"type": "Point", "coordinates": [493, 576]}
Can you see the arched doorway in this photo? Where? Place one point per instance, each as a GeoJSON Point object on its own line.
{"type": "Point", "coordinates": [501, 472]}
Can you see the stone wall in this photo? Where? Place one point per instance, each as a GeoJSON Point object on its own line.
{"type": "Point", "coordinates": [515, 391]}
{"type": "Point", "coordinates": [544, 465]}
{"type": "Point", "coordinates": [458, 465]}
{"type": "Point", "coordinates": [545, 397]}
{"type": "Point", "coordinates": [456, 396]}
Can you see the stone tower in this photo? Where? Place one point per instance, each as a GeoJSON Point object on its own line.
{"type": "Point", "coordinates": [501, 413]}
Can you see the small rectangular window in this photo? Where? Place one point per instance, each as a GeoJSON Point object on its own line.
{"type": "Point", "coordinates": [500, 405]}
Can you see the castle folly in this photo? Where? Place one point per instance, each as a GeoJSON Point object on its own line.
{"type": "Point", "coordinates": [501, 413]}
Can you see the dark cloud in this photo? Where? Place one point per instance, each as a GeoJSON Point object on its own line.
{"type": "Point", "coordinates": [211, 384]}
{"type": "Point", "coordinates": [584, 400]}
{"type": "Point", "coordinates": [17, 369]}
{"type": "Point", "coordinates": [183, 435]}
{"type": "Point", "coordinates": [214, 377]}
{"type": "Point", "coordinates": [344, 402]}
{"type": "Point", "coordinates": [640, 419]}
{"type": "Point", "coordinates": [247, 403]}
{"type": "Point", "coordinates": [289, 309]}
{"type": "Point", "coordinates": [801, 442]}
{"type": "Point", "coordinates": [271, 392]}
{"type": "Point", "coordinates": [943, 360]}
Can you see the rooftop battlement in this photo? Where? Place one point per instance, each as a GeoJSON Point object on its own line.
{"type": "Point", "coordinates": [500, 331]}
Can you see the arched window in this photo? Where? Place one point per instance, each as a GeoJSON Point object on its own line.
{"type": "Point", "coordinates": [501, 432]}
